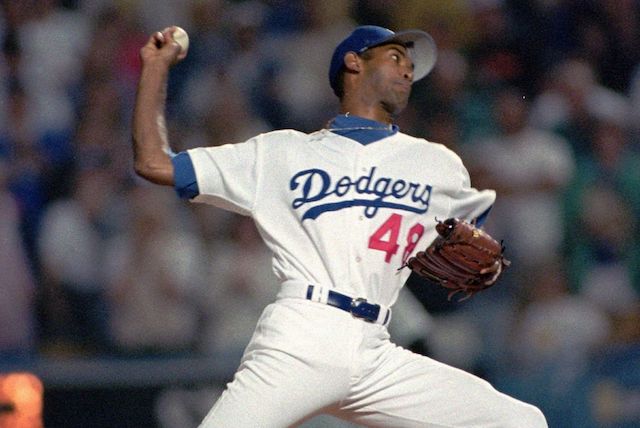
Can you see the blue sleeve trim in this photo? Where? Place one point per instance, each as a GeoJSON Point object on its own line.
{"type": "Point", "coordinates": [483, 217]}
{"type": "Point", "coordinates": [184, 176]}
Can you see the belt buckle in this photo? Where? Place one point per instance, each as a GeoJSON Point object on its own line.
{"type": "Point", "coordinates": [366, 312]}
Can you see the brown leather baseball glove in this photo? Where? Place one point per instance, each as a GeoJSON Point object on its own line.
{"type": "Point", "coordinates": [462, 258]}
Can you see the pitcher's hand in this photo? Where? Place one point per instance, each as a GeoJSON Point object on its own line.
{"type": "Point", "coordinates": [162, 48]}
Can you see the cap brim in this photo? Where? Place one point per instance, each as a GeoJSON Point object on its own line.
{"type": "Point", "coordinates": [422, 47]}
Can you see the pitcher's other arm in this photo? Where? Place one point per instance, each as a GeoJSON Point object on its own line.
{"type": "Point", "coordinates": [151, 151]}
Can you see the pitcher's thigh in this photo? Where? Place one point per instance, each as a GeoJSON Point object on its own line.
{"type": "Point", "coordinates": [410, 390]}
{"type": "Point", "coordinates": [273, 390]}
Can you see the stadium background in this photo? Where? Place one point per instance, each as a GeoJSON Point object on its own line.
{"type": "Point", "coordinates": [133, 307]}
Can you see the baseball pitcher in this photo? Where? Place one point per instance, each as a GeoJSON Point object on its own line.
{"type": "Point", "coordinates": [349, 212]}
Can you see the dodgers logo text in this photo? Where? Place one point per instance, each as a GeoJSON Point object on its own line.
{"type": "Point", "coordinates": [318, 192]}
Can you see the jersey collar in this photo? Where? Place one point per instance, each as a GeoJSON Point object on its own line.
{"type": "Point", "coordinates": [362, 130]}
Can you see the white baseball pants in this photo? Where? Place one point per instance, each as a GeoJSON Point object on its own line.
{"type": "Point", "coordinates": [308, 358]}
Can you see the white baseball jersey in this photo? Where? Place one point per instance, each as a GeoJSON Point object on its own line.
{"type": "Point", "coordinates": [342, 216]}
{"type": "Point", "coordinates": [336, 212]}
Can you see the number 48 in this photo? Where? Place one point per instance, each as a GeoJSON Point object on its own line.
{"type": "Point", "coordinates": [386, 238]}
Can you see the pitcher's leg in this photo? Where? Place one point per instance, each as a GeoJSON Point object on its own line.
{"type": "Point", "coordinates": [295, 365]}
{"type": "Point", "coordinates": [410, 390]}
{"type": "Point", "coordinates": [272, 390]}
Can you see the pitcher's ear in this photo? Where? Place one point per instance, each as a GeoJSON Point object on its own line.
{"type": "Point", "coordinates": [352, 62]}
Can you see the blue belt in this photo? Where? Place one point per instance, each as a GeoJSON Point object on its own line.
{"type": "Point", "coordinates": [358, 307]}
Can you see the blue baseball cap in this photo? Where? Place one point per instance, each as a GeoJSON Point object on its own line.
{"type": "Point", "coordinates": [420, 44]}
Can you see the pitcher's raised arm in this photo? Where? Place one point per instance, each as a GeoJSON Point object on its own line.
{"type": "Point", "coordinates": [151, 149]}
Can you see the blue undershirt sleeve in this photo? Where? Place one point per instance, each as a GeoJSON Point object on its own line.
{"type": "Point", "coordinates": [184, 176]}
{"type": "Point", "coordinates": [483, 217]}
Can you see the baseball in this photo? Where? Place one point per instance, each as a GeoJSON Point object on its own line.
{"type": "Point", "coordinates": [182, 38]}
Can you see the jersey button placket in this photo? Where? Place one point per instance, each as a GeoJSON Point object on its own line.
{"type": "Point", "coordinates": [358, 225]}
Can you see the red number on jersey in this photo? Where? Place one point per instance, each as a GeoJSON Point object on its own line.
{"type": "Point", "coordinates": [386, 238]}
{"type": "Point", "coordinates": [390, 246]}
{"type": "Point", "coordinates": [414, 235]}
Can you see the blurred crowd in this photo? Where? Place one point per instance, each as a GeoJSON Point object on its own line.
{"type": "Point", "coordinates": [541, 98]}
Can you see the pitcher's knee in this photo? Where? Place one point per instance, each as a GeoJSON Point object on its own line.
{"type": "Point", "coordinates": [526, 416]}
{"type": "Point", "coordinates": [537, 418]}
